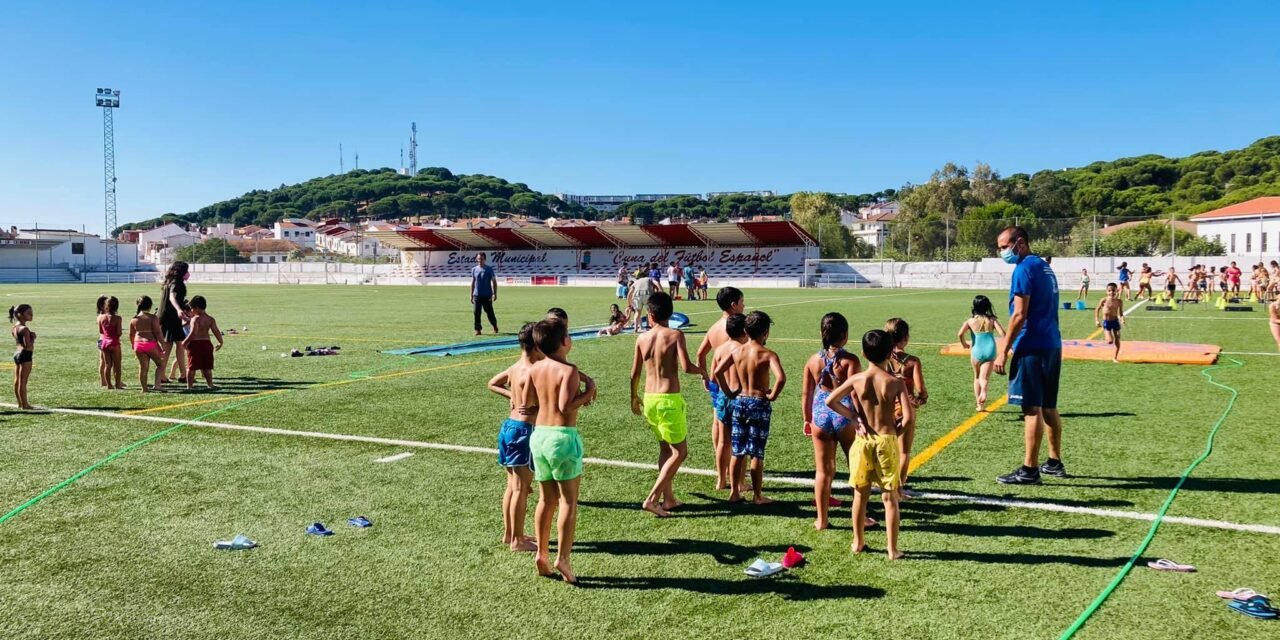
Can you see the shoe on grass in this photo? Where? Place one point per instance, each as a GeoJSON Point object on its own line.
{"type": "Point", "coordinates": [1054, 468]}
{"type": "Point", "coordinates": [1020, 476]}
{"type": "Point", "coordinates": [318, 529]}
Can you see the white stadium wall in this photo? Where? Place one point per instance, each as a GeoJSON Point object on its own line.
{"type": "Point", "coordinates": [724, 258]}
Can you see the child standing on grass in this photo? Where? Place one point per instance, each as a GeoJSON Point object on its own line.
{"type": "Point", "coordinates": [984, 326]}
{"type": "Point", "coordinates": [752, 404]}
{"type": "Point", "coordinates": [559, 390]}
{"type": "Point", "coordinates": [144, 335]}
{"type": "Point", "coordinates": [109, 329]}
{"type": "Point", "coordinates": [1110, 316]}
{"type": "Point", "coordinates": [197, 344]}
{"type": "Point", "coordinates": [876, 395]}
{"type": "Point", "coordinates": [19, 316]}
{"type": "Point", "coordinates": [513, 443]}
{"type": "Point", "coordinates": [661, 354]}
{"type": "Point", "coordinates": [1084, 285]}
{"type": "Point", "coordinates": [907, 368]}
{"type": "Point", "coordinates": [825, 371]}
{"type": "Point", "coordinates": [735, 328]}
{"type": "Point", "coordinates": [730, 301]}
{"type": "Point", "coordinates": [1273, 310]}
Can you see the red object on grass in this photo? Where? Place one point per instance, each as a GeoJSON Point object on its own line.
{"type": "Point", "coordinates": [792, 558]}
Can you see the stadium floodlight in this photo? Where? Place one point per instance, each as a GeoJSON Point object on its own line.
{"type": "Point", "coordinates": [107, 98]}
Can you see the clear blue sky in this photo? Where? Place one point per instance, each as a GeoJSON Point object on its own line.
{"type": "Point", "coordinates": [620, 97]}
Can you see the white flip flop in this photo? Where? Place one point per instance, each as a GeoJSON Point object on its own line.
{"type": "Point", "coordinates": [1164, 564]}
{"type": "Point", "coordinates": [1241, 594]}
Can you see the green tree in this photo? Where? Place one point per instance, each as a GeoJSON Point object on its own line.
{"type": "Point", "coordinates": [211, 251]}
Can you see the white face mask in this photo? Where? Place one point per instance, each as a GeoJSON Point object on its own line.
{"type": "Point", "coordinates": [1008, 255]}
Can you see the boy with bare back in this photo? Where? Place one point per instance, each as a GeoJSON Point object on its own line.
{"type": "Point", "coordinates": [197, 345]}
{"type": "Point", "coordinates": [559, 390]}
{"type": "Point", "coordinates": [662, 354]}
{"type": "Point", "coordinates": [752, 401]}
{"type": "Point", "coordinates": [735, 329]}
{"type": "Point", "coordinates": [875, 455]}
{"type": "Point", "coordinates": [730, 301]}
{"type": "Point", "coordinates": [513, 443]}
{"type": "Point", "coordinates": [1110, 316]}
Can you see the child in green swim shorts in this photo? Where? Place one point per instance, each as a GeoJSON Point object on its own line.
{"type": "Point", "coordinates": [559, 390]}
{"type": "Point", "coordinates": [662, 353]}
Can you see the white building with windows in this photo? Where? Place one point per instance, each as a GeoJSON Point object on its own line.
{"type": "Point", "coordinates": [1246, 229]}
{"type": "Point", "coordinates": [343, 239]}
{"type": "Point", "coordinates": [298, 231]}
{"type": "Point", "coordinates": [871, 223]}
{"type": "Point", "coordinates": [158, 245]}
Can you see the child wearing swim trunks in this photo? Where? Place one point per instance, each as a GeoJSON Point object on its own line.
{"type": "Point", "coordinates": [197, 344]}
{"type": "Point", "coordinates": [735, 327]}
{"type": "Point", "coordinates": [752, 403]}
{"type": "Point", "coordinates": [661, 354]}
{"type": "Point", "coordinates": [144, 335]}
{"type": "Point", "coordinates": [513, 443]}
{"type": "Point", "coordinates": [983, 326]}
{"type": "Point", "coordinates": [109, 329]}
{"type": "Point", "coordinates": [875, 458]}
{"type": "Point", "coordinates": [730, 301]}
{"type": "Point", "coordinates": [24, 355]}
{"type": "Point", "coordinates": [907, 367]}
{"type": "Point", "coordinates": [558, 389]}
{"type": "Point", "coordinates": [825, 371]}
{"type": "Point", "coordinates": [1110, 316]}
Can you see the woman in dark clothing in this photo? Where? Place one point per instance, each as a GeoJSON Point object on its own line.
{"type": "Point", "coordinates": [173, 316]}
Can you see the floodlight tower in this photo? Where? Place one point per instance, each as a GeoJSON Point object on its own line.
{"type": "Point", "coordinates": [413, 149]}
{"type": "Point", "coordinates": [109, 100]}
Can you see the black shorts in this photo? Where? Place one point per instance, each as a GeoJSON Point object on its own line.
{"type": "Point", "coordinates": [1171, 287]}
{"type": "Point", "coordinates": [22, 357]}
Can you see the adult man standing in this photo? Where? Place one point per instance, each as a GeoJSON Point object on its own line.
{"type": "Point", "coordinates": [484, 292]}
{"type": "Point", "coordinates": [1036, 345]}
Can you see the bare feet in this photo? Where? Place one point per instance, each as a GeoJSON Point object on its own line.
{"type": "Point", "coordinates": [895, 554]}
{"type": "Point", "coordinates": [654, 508]}
{"type": "Point", "coordinates": [761, 499]}
{"type": "Point", "coordinates": [735, 497]}
{"type": "Point", "coordinates": [721, 484]}
{"type": "Point", "coordinates": [566, 571]}
{"type": "Point", "coordinates": [543, 567]}
{"type": "Point", "coordinates": [869, 522]}
{"type": "Point", "coordinates": [524, 545]}
{"type": "Point", "coordinates": [820, 524]}
{"type": "Point", "coordinates": [672, 505]}
{"type": "Point", "coordinates": [857, 548]}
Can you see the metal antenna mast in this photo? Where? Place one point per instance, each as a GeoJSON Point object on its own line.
{"type": "Point", "coordinates": [109, 100]}
{"type": "Point", "coordinates": [341, 169]}
{"type": "Point", "coordinates": [413, 149]}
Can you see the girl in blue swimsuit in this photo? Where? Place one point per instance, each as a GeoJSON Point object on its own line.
{"type": "Point", "coordinates": [824, 372]}
{"type": "Point", "coordinates": [984, 327]}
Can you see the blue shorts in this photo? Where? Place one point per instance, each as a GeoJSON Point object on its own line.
{"type": "Point", "coordinates": [719, 403]}
{"type": "Point", "coordinates": [750, 430]}
{"type": "Point", "coordinates": [1111, 325]}
{"type": "Point", "coordinates": [1033, 378]}
{"type": "Point", "coordinates": [513, 444]}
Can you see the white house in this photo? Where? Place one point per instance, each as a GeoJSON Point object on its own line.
{"type": "Point", "coordinates": [269, 251]}
{"type": "Point", "coordinates": [1248, 229]}
{"type": "Point", "coordinates": [61, 248]}
{"type": "Point", "coordinates": [222, 231]}
{"type": "Point", "coordinates": [297, 231]}
{"type": "Point", "coordinates": [342, 239]}
{"type": "Point", "coordinates": [158, 245]}
{"type": "Point", "coordinates": [871, 223]}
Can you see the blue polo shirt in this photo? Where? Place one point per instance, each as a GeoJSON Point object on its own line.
{"type": "Point", "coordinates": [482, 281]}
{"type": "Point", "coordinates": [1033, 277]}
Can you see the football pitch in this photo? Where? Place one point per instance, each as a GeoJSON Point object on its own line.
{"type": "Point", "coordinates": [110, 500]}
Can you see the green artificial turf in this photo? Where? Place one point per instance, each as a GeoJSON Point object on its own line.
{"type": "Point", "coordinates": [125, 551]}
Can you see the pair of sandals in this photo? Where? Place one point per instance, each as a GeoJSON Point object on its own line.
{"type": "Point", "coordinates": [318, 528]}
{"type": "Point", "coordinates": [1250, 603]}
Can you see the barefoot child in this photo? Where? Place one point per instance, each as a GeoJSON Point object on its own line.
{"type": "Point", "coordinates": [984, 326]}
{"type": "Point", "coordinates": [559, 390]}
{"type": "Point", "coordinates": [19, 316]}
{"type": "Point", "coordinates": [1110, 316]}
{"type": "Point", "coordinates": [735, 328]}
{"type": "Point", "coordinates": [825, 371]}
{"type": "Point", "coordinates": [144, 335]}
{"type": "Point", "coordinates": [730, 301]}
{"type": "Point", "coordinates": [197, 344]}
{"type": "Point", "coordinates": [661, 354]}
{"type": "Point", "coordinates": [1273, 310]}
{"type": "Point", "coordinates": [752, 403]}
{"type": "Point", "coordinates": [876, 395]}
{"type": "Point", "coordinates": [907, 368]}
{"type": "Point", "coordinates": [513, 443]}
{"type": "Point", "coordinates": [1084, 285]}
{"type": "Point", "coordinates": [617, 321]}
{"type": "Point", "coordinates": [109, 329]}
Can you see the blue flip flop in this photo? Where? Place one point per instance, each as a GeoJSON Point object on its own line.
{"type": "Point", "coordinates": [317, 529]}
{"type": "Point", "coordinates": [1255, 607]}
{"type": "Point", "coordinates": [360, 521]}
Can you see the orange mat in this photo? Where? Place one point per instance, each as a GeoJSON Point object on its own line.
{"type": "Point", "coordinates": [1130, 351]}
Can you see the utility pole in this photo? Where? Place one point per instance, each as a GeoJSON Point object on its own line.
{"type": "Point", "coordinates": [109, 100]}
{"type": "Point", "coordinates": [341, 168]}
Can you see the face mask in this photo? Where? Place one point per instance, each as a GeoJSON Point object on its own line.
{"type": "Point", "coordinates": [1009, 256]}
{"type": "Point", "coordinates": [186, 276]}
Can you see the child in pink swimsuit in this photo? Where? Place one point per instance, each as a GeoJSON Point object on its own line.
{"type": "Point", "coordinates": [144, 334]}
{"type": "Point", "coordinates": [109, 328]}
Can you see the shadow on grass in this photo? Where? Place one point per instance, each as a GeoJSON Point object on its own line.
{"type": "Point", "coordinates": [721, 552]}
{"type": "Point", "coordinates": [1015, 531]}
{"type": "Point", "coordinates": [719, 507]}
{"type": "Point", "coordinates": [788, 587]}
{"type": "Point", "coordinates": [1018, 558]}
{"type": "Point", "coordinates": [1065, 502]}
{"type": "Point", "coordinates": [1167, 483]}
{"type": "Point", "coordinates": [250, 384]}
{"type": "Point", "coordinates": [1100, 414]}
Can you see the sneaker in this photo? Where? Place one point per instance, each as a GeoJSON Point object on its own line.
{"type": "Point", "coordinates": [1056, 470]}
{"type": "Point", "coordinates": [1020, 476]}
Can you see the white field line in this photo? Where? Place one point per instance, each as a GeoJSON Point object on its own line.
{"type": "Point", "coordinates": [1249, 353]}
{"type": "Point", "coordinates": [625, 464]}
{"type": "Point", "coordinates": [396, 458]}
{"type": "Point", "coordinates": [815, 300]}
{"type": "Point", "coordinates": [1199, 318]}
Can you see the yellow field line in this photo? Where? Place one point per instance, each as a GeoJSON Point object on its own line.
{"type": "Point", "coordinates": [179, 405]}
{"type": "Point", "coordinates": [934, 449]}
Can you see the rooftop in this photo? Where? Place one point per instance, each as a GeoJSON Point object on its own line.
{"type": "Point", "coordinates": [1265, 206]}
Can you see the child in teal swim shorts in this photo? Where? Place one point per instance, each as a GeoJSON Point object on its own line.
{"type": "Point", "coordinates": [559, 390]}
{"type": "Point", "coordinates": [661, 354]}
{"type": "Point", "coordinates": [731, 301]}
{"type": "Point", "coordinates": [513, 443]}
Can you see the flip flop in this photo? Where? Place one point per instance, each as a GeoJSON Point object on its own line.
{"type": "Point", "coordinates": [756, 568]}
{"type": "Point", "coordinates": [360, 521]}
{"type": "Point", "coordinates": [1168, 565]}
{"type": "Point", "coordinates": [238, 543]}
{"type": "Point", "coordinates": [1255, 607]}
{"type": "Point", "coordinates": [770, 569]}
{"type": "Point", "coordinates": [318, 529]}
{"type": "Point", "coordinates": [1242, 594]}
{"type": "Point", "coordinates": [792, 558]}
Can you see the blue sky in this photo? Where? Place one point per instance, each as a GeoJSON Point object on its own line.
{"type": "Point", "coordinates": [629, 97]}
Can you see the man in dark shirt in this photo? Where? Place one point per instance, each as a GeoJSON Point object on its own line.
{"type": "Point", "coordinates": [484, 292]}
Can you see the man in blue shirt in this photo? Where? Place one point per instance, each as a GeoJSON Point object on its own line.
{"type": "Point", "coordinates": [1036, 344]}
{"type": "Point", "coordinates": [484, 292]}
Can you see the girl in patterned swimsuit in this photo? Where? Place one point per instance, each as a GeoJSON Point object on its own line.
{"type": "Point", "coordinates": [905, 367]}
{"type": "Point", "coordinates": [823, 372]}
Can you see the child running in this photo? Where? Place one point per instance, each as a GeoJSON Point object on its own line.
{"type": "Point", "coordinates": [730, 301]}
{"type": "Point", "coordinates": [144, 335]}
{"type": "Point", "coordinates": [1110, 316]}
{"type": "Point", "coordinates": [513, 443]}
{"type": "Point", "coordinates": [752, 403]}
{"type": "Point", "coordinates": [1125, 274]}
{"type": "Point", "coordinates": [1171, 282]}
{"type": "Point", "coordinates": [825, 371]}
{"type": "Point", "coordinates": [877, 394]}
{"type": "Point", "coordinates": [558, 389]}
{"type": "Point", "coordinates": [109, 329]}
{"type": "Point", "coordinates": [23, 356]}
{"type": "Point", "coordinates": [661, 354]}
{"type": "Point", "coordinates": [984, 327]}
{"type": "Point", "coordinates": [197, 344]}
{"type": "Point", "coordinates": [907, 368]}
